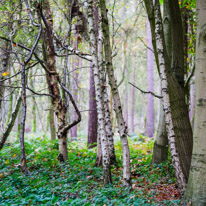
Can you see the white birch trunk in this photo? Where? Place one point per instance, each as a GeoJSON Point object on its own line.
{"type": "Point", "coordinates": [166, 101]}
{"type": "Point", "coordinates": [99, 98]}
{"type": "Point", "coordinates": [117, 103]}
{"type": "Point", "coordinates": [108, 122]}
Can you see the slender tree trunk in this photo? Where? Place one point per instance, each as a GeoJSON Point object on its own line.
{"type": "Point", "coordinates": [192, 96]}
{"type": "Point", "coordinates": [4, 67]}
{"type": "Point", "coordinates": [160, 150]}
{"type": "Point", "coordinates": [99, 150]}
{"type": "Point", "coordinates": [19, 123]}
{"type": "Point", "coordinates": [125, 69]}
{"type": "Point", "coordinates": [10, 109]}
{"type": "Point", "coordinates": [73, 130]}
{"type": "Point", "coordinates": [132, 103]}
{"type": "Point", "coordinates": [52, 123]}
{"type": "Point", "coordinates": [196, 190]}
{"type": "Point", "coordinates": [108, 122]}
{"type": "Point", "coordinates": [99, 98]}
{"type": "Point", "coordinates": [150, 85]}
{"type": "Point", "coordinates": [33, 106]}
{"type": "Point", "coordinates": [117, 103]}
{"type": "Point", "coordinates": [92, 124]}
{"type": "Point", "coordinates": [11, 121]}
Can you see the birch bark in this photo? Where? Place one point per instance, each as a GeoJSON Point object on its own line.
{"type": "Point", "coordinates": [166, 78]}
{"type": "Point", "coordinates": [117, 103]}
{"type": "Point", "coordinates": [99, 98]}
{"type": "Point", "coordinates": [106, 103]}
{"type": "Point", "coordinates": [179, 110]}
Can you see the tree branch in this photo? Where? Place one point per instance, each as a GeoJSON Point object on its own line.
{"type": "Point", "coordinates": [144, 92]}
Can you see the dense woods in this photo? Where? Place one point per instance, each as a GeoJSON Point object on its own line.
{"type": "Point", "coordinates": [102, 102]}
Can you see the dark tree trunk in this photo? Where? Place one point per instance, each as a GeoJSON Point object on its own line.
{"type": "Point", "coordinates": [92, 124]}
{"type": "Point", "coordinates": [73, 130]}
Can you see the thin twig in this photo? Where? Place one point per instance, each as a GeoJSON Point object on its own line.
{"type": "Point", "coordinates": [145, 92]}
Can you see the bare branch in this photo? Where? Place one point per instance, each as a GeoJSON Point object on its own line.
{"type": "Point", "coordinates": [144, 92]}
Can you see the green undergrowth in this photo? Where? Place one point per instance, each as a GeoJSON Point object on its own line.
{"type": "Point", "coordinates": [77, 181]}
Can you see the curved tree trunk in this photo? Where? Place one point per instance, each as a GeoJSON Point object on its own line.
{"type": "Point", "coordinates": [196, 190]}
{"type": "Point", "coordinates": [52, 81]}
{"type": "Point", "coordinates": [11, 121]}
{"type": "Point", "coordinates": [75, 80]}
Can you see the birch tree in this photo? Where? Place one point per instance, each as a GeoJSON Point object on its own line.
{"type": "Point", "coordinates": [99, 98]}
{"type": "Point", "coordinates": [166, 81]}
{"type": "Point", "coordinates": [116, 98]}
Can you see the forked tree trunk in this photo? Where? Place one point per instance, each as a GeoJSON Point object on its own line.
{"type": "Point", "coordinates": [117, 103]}
{"type": "Point", "coordinates": [52, 81]}
{"type": "Point", "coordinates": [196, 189]}
{"type": "Point", "coordinates": [99, 98]}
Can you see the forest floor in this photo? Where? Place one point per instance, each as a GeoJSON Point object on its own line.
{"type": "Point", "coordinates": [78, 182]}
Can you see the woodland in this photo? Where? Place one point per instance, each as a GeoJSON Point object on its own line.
{"type": "Point", "coordinates": [103, 102]}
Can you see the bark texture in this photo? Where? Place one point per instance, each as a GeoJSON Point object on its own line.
{"type": "Point", "coordinates": [196, 190]}
{"type": "Point", "coordinates": [106, 103]}
{"type": "Point", "coordinates": [99, 98]}
{"type": "Point", "coordinates": [178, 107]}
{"type": "Point", "coordinates": [116, 98]}
{"type": "Point", "coordinates": [52, 81]}
{"type": "Point", "coordinates": [167, 81]}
